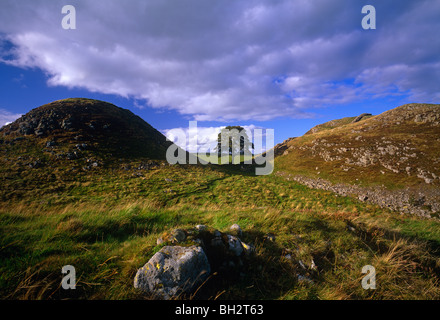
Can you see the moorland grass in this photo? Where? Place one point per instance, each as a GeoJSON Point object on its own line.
{"type": "Point", "coordinates": [106, 225]}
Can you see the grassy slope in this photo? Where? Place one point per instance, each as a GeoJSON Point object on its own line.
{"type": "Point", "coordinates": [392, 141]}
{"type": "Point", "coordinates": [105, 222]}
{"type": "Point", "coordinates": [106, 225]}
{"type": "Point", "coordinates": [333, 124]}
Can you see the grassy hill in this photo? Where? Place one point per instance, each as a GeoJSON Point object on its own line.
{"type": "Point", "coordinates": [65, 128]}
{"type": "Point", "coordinates": [396, 150]}
{"type": "Point", "coordinates": [105, 221]}
{"type": "Point", "coordinates": [338, 123]}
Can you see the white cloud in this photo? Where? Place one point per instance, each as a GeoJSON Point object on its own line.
{"type": "Point", "coordinates": [7, 117]}
{"type": "Point", "coordinates": [206, 137]}
{"type": "Point", "coordinates": [230, 60]}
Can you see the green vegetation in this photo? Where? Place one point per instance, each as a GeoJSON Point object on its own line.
{"type": "Point", "coordinates": [397, 149]}
{"type": "Point", "coordinates": [106, 224]}
{"type": "Point", "coordinates": [333, 124]}
{"type": "Point", "coordinates": [227, 159]}
{"type": "Point", "coordinates": [235, 141]}
{"type": "Point", "coordinates": [103, 209]}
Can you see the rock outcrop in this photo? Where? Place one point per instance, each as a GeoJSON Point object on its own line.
{"type": "Point", "coordinates": [397, 149]}
{"type": "Point", "coordinates": [189, 257]}
{"type": "Point", "coordinates": [361, 116]}
{"type": "Point", "coordinates": [173, 270]}
{"type": "Point", "coordinates": [420, 202]}
{"type": "Point", "coordinates": [280, 148]}
{"type": "Point", "coordinates": [100, 126]}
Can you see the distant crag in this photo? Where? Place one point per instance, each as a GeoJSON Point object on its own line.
{"type": "Point", "coordinates": [397, 150]}
{"type": "Point", "coordinates": [72, 126]}
{"type": "Point", "coordinates": [338, 123]}
{"type": "Point", "coordinates": [280, 148]}
{"type": "Point", "coordinates": [361, 116]}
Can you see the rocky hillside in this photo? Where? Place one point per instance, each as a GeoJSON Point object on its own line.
{"type": "Point", "coordinates": [68, 128]}
{"type": "Point", "coordinates": [338, 122]}
{"type": "Point", "coordinates": [398, 149]}
{"type": "Point", "coordinates": [74, 139]}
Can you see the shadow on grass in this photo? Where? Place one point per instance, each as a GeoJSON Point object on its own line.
{"type": "Point", "coordinates": [264, 275]}
{"type": "Point", "coordinates": [115, 230]}
{"type": "Point", "coordinates": [372, 236]}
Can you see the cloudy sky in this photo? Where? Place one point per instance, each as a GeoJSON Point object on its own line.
{"type": "Point", "coordinates": [281, 64]}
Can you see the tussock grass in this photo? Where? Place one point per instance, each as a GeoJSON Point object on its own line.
{"type": "Point", "coordinates": [106, 226]}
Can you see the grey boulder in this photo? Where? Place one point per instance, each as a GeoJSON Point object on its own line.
{"type": "Point", "coordinates": [172, 271]}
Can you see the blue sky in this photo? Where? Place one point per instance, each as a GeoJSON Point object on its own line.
{"type": "Point", "coordinates": [281, 64]}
